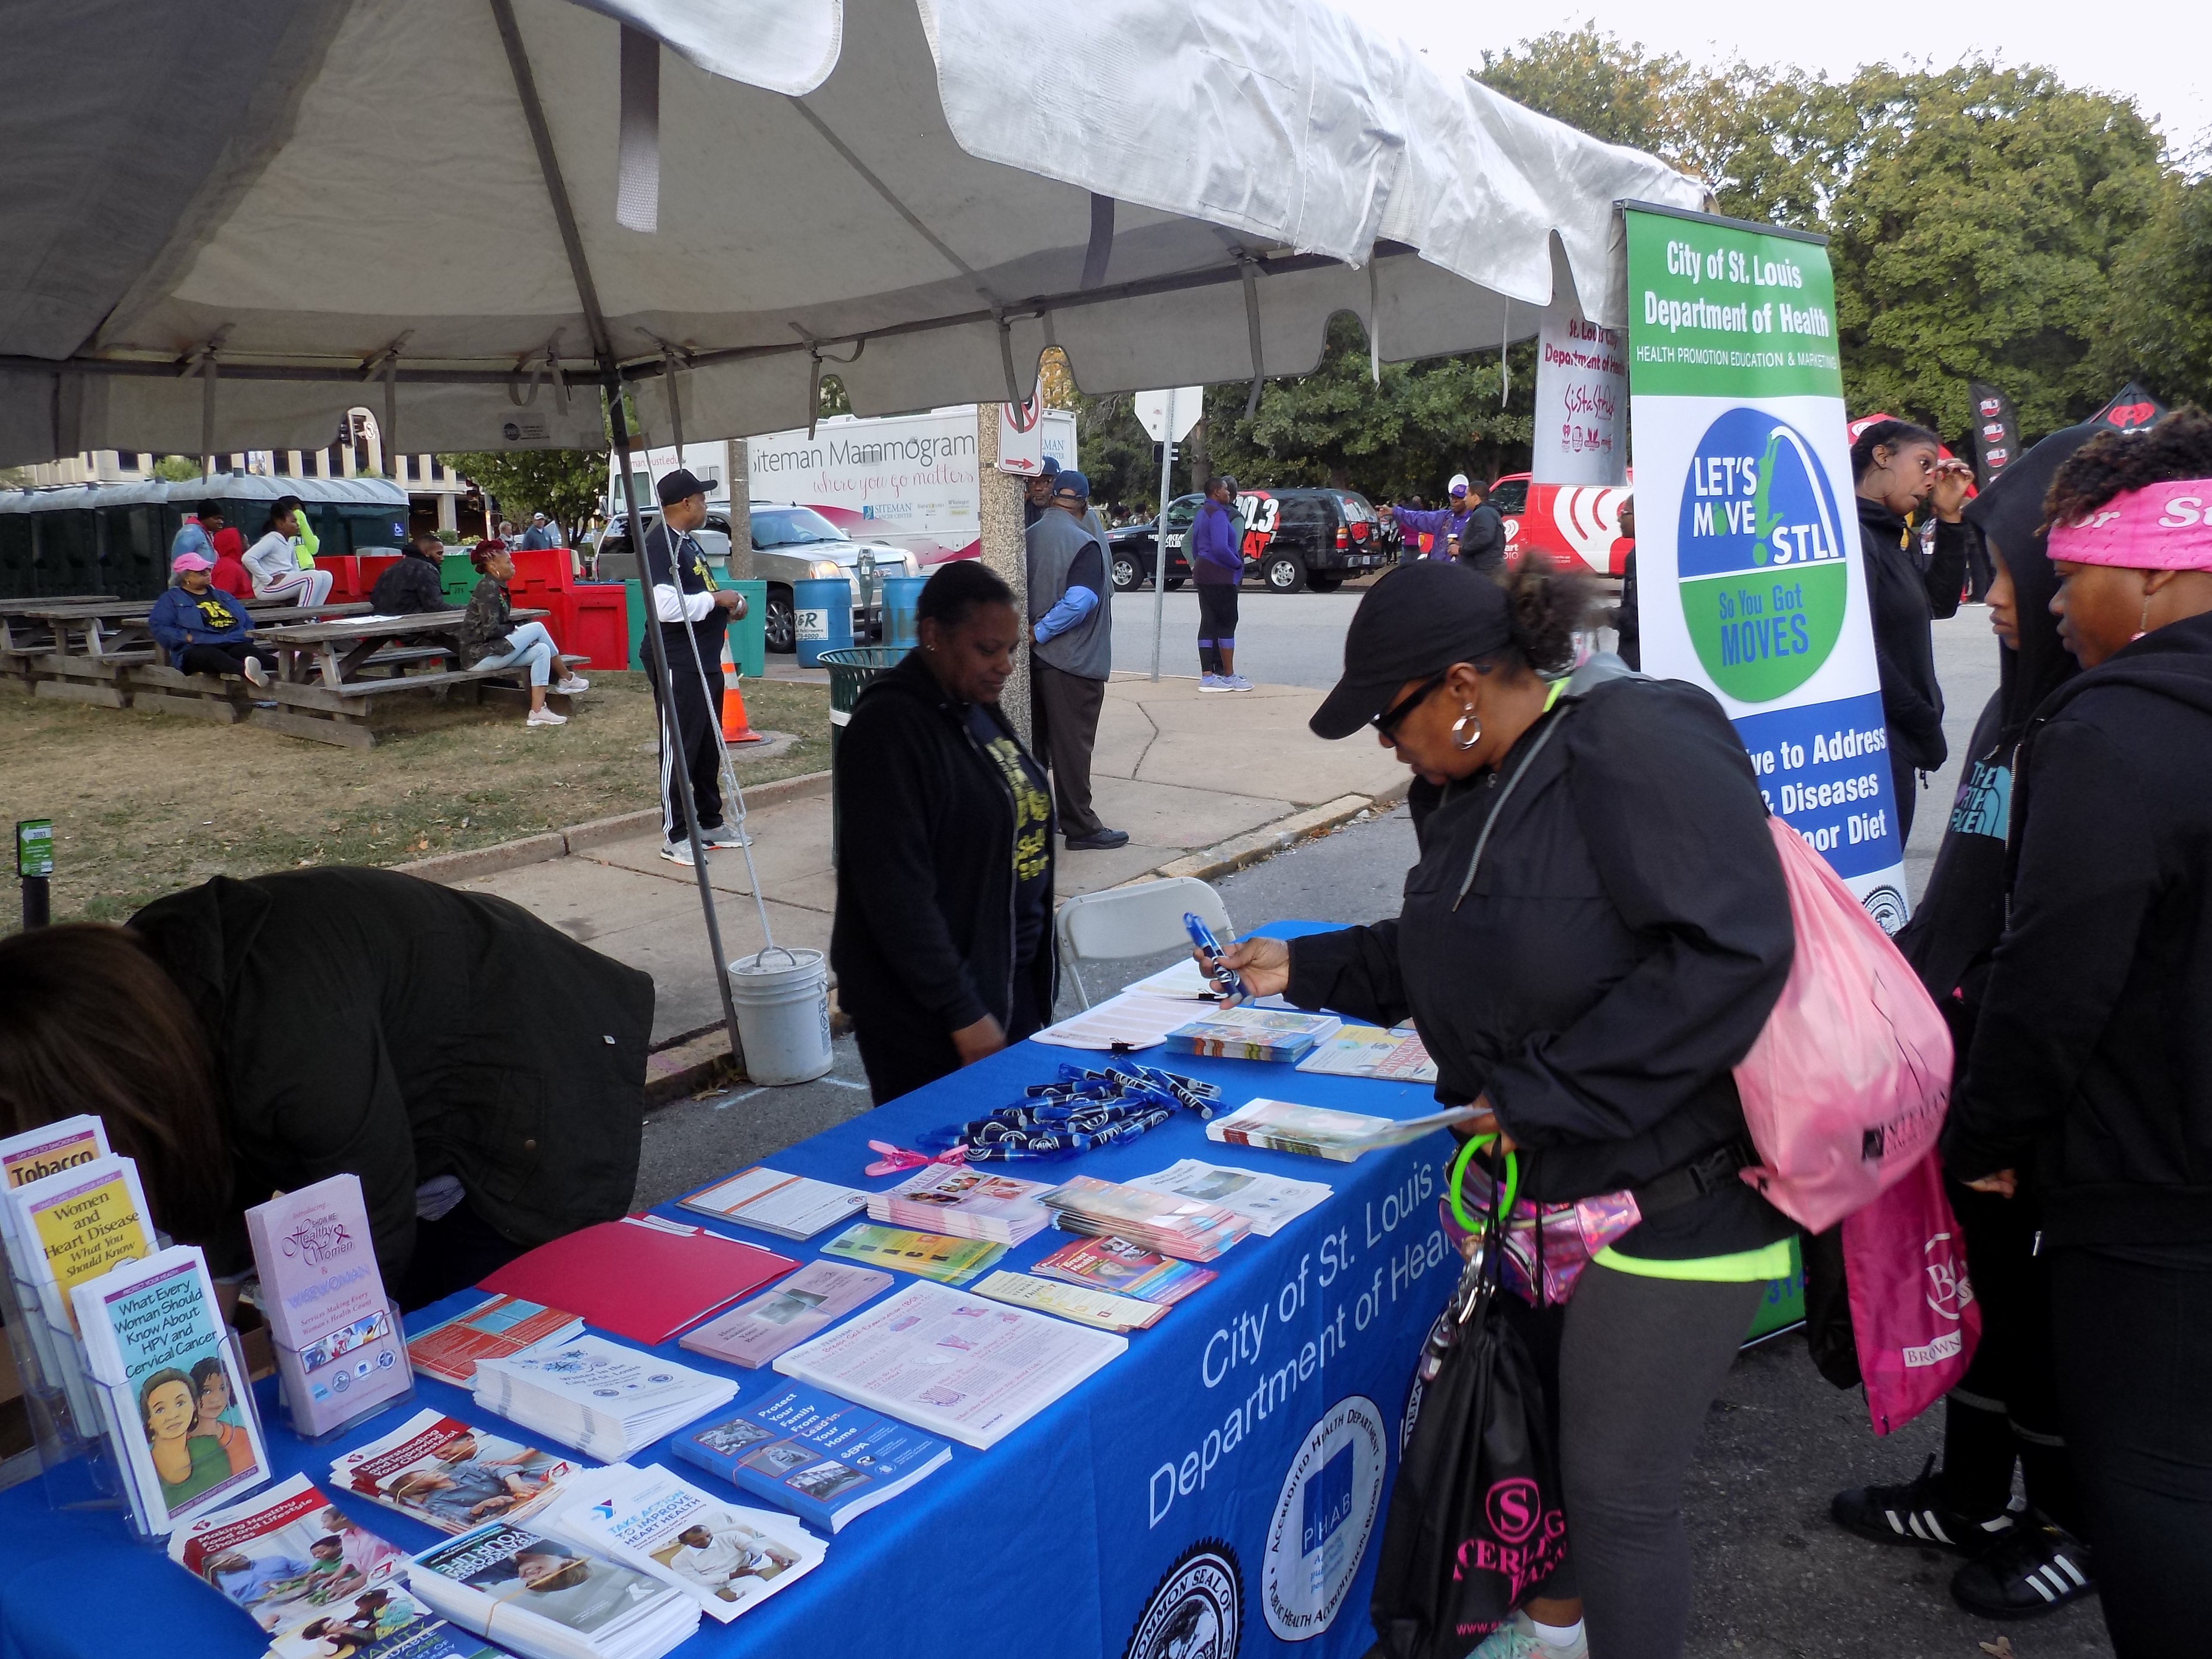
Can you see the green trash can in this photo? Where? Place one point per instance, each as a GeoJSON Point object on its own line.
{"type": "Point", "coordinates": [749, 633]}
{"type": "Point", "coordinates": [851, 669]}
{"type": "Point", "coordinates": [457, 578]}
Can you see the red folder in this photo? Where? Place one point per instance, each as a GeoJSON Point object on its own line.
{"type": "Point", "coordinates": [642, 1278]}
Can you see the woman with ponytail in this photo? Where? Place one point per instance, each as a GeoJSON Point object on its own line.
{"type": "Point", "coordinates": [1595, 936]}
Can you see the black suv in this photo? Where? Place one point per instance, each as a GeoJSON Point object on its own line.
{"type": "Point", "coordinates": [1293, 539]}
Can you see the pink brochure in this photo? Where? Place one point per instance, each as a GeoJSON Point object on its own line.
{"type": "Point", "coordinates": [338, 1349]}
{"type": "Point", "coordinates": [753, 1333]}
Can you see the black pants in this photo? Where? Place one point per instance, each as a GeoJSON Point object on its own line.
{"type": "Point", "coordinates": [904, 1051]}
{"type": "Point", "coordinates": [1905, 777]}
{"type": "Point", "coordinates": [223, 659]}
{"type": "Point", "coordinates": [2005, 1409]}
{"type": "Point", "coordinates": [698, 716]}
{"type": "Point", "coordinates": [451, 1254]}
{"type": "Point", "coordinates": [1216, 622]}
{"type": "Point", "coordinates": [2135, 1357]}
{"type": "Point", "coordinates": [1064, 710]}
{"type": "Point", "coordinates": [1640, 1362]}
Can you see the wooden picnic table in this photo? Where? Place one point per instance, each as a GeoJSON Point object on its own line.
{"type": "Point", "coordinates": [16, 607]}
{"type": "Point", "coordinates": [113, 627]}
{"type": "Point", "coordinates": [339, 650]}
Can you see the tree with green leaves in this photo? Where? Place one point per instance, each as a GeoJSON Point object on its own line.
{"type": "Point", "coordinates": [567, 485]}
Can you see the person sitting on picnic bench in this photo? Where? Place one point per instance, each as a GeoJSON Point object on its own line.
{"type": "Point", "coordinates": [282, 562]}
{"type": "Point", "coordinates": [230, 574]}
{"type": "Point", "coordinates": [413, 585]}
{"type": "Point", "coordinates": [491, 638]}
{"type": "Point", "coordinates": [205, 632]}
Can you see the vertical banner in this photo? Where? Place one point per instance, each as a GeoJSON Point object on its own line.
{"type": "Point", "coordinates": [1746, 543]}
{"type": "Point", "coordinates": [1996, 432]}
{"type": "Point", "coordinates": [1581, 434]}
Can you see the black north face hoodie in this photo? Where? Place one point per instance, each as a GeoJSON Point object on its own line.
{"type": "Point", "coordinates": [2092, 1057]}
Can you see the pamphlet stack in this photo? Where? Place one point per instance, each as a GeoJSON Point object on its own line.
{"type": "Point", "coordinates": [545, 1598]}
{"type": "Point", "coordinates": [338, 1341]}
{"type": "Point", "coordinates": [452, 1476]}
{"type": "Point", "coordinates": [605, 1399]}
{"type": "Point", "coordinates": [495, 1328]}
{"type": "Point", "coordinates": [824, 1459]}
{"type": "Point", "coordinates": [789, 1206]}
{"type": "Point", "coordinates": [1249, 1033]}
{"type": "Point", "coordinates": [1188, 1229]}
{"type": "Point", "coordinates": [945, 1198]}
{"type": "Point", "coordinates": [1318, 1132]}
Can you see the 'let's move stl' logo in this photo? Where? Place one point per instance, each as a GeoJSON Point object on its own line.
{"type": "Point", "coordinates": [1760, 553]}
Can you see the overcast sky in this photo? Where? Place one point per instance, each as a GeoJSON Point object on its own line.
{"type": "Point", "coordinates": [2157, 51]}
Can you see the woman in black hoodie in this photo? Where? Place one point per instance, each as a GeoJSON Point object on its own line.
{"type": "Point", "coordinates": [2092, 1061]}
{"type": "Point", "coordinates": [2005, 1409]}
{"type": "Point", "coordinates": [1897, 468]}
{"type": "Point", "coordinates": [941, 941]}
{"type": "Point", "coordinates": [1596, 934]}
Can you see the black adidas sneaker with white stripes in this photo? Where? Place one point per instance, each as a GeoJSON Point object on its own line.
{"type": "Point", "coordinates": [2038, 1570]}
{"type": "Point", "coordinates": [1919, 1512]}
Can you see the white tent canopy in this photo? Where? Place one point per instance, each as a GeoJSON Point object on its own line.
{"type": "Point", "coordinates": [224, 221]}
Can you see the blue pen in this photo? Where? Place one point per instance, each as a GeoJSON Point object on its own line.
{"type": "Point", "coordinates": [1209, 949]}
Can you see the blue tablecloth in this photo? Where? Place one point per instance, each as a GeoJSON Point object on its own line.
{"type": "Point", "coordinates": [1232, 1467]}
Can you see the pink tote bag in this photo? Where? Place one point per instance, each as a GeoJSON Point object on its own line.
{"type": "Point", "coordinates": [1846, 1088]}
{"type": "Point", "coordinates": [1913, 1312]}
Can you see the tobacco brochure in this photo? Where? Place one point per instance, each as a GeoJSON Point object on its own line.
{"type": "Point", "coordinates": [788, 1206]}
{"type": "Point", "coordinates": [338, 1349]}
{"type": "Point", "coordinates": [970, 1370]}
{"type": "Point", "coordinates": [1268, 1202]}
{"type": "Point", "coordinates": [1397, 1055]}
{"type": "Point", "coordinates": [1116, 1266]}
{"type": "Point", "coordinates": [809, 1302]}
{"type": "Point", "coordinates": [728, 1557]}
{"type": "Point", "coordinates": [546, 1598]}
{"type": "Point", "coordinates": [496, 1326]}
{"type": "Point", "coordinates": [824, 1459]}
{"type": "Point", "coordinates": [1318, 1132]}
{"type": "Point", "coordinates": [1100, 1310]}
{"type": "Point", "coordinates": [931, 1256]}
{"type": "Point", "coordinates": [168, 1387]}
{"type": "Point", "coordinates": [49, 1150]}
{"type": "Point", "coordinates": [441, 1471]}
{"type": "Point", "coordinates": [318, 1585]}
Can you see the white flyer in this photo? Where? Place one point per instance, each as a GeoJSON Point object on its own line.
{"type": "Point", "coordinates": [1268, 1201]}
{"type": "Point", "coordinates": [1134, 1019]}
{"type": "Point", "coordinates": [957, 1365]}
{"type": "Point", "coordinates": [789, 1206]}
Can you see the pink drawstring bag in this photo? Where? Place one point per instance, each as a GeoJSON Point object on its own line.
{"type": "Point", "coordinates": [1846, 1088]}
{"type": "Point", "coordinates": [1913, 1312]}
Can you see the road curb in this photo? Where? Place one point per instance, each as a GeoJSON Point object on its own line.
{"type": "Point", "coordinates": [1239, 852]}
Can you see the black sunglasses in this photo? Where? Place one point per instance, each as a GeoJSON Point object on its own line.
{"type": "Point", "coordinates": [1386, 724]}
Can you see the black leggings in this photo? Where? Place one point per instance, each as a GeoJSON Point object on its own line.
{"type": "Point", "coordinates": [223, 659]}
{"type": "Point", "coordinates": [1216, 622]}
{"type": "Point", "coordinates": [2134, 1352]}
{"type": "Point", "coordinates": [1640, 1362]}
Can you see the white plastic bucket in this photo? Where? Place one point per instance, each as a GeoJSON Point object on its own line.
{"type": "Point", "coordinates": [782, 1000]}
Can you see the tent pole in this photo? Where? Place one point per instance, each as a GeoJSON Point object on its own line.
{"type": "Point", "coordinates": [587, 295]}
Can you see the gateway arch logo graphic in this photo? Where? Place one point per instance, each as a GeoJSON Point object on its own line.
{"type": "Point", "coordinates": [1764, 577]}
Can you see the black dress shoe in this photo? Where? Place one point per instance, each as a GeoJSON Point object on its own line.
{"type": "Point", "coordinates": [1098, 841]}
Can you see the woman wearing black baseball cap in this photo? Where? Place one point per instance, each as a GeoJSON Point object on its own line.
{"type": "Point", "coordinates": [1595, 935]}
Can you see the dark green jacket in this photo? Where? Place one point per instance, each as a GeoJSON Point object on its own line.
{"type": "Point", "coordinates": [365, 1021]}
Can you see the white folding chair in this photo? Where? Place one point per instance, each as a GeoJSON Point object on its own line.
{"type": "Point", "coordinates": [1141, 921]}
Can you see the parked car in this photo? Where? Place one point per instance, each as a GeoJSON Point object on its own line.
{"type": "Point", "coordinates": [791, 543]}
{"type": "Point", "coordinates": [1129, 552]}
{"type": "Point", "coordinates": [1293, 539]}
{"type": "Point", "coordinates": [1578, 523]}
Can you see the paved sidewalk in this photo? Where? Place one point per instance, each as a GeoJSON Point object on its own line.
{"type": "Point", "coordinates": [1200, 782]}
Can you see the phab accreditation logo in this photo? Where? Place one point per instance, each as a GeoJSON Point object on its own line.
{"type": "Point", "coordinates": [1761, 557]}
{"type": "Point", "coordinates": [1323, 1517]}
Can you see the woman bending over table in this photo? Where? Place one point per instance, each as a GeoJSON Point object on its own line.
{"type": "Point", "coordinates": [481, 1072]}
{"type": "Point", "coordinates": [491, 638]}
{"type": "Point", "coordinates": [940, 942]}
{"type": "Point", "coordinates": [1595, 935]}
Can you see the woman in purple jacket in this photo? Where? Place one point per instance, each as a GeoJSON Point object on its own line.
{"type": "Point", "coordinates": [1217, 566]}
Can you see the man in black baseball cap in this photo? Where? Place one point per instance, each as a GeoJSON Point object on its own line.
{"type": "Point", "coordinates": [1413, 625]}
{"type": "Point", "coordinates": [693, 613]}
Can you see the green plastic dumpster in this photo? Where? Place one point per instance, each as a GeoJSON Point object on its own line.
{"type": "Point", "coordinates": [851, 669]}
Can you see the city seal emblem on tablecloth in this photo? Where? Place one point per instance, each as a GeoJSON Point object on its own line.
{"type": "Point", "coordinates": [1196, 1612]}
{"type": "Point", "coordinates": [1323, 1519]}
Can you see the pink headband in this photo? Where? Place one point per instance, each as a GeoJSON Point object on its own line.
{"type": "Point", "coordinates": [2161, 527]}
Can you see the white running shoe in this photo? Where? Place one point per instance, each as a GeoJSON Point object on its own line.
{"type": "Point", "coordinates": [677, 852]}
{"type": "Point", "coordinates": [1235, 683]}
{"type": "Point", "coordinates": [1213, 683]}
{"type": "Point", "coordinates": [545, 717]}
{"type": "Point", "coordinates": [571, 684]}
{"type": "Point", "coordinates": [253, 670]}
{"type": "Point", "coordinates": [723, 837]}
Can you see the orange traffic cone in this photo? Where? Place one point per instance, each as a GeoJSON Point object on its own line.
{"type": "Point", "coordinates": [736, 727]}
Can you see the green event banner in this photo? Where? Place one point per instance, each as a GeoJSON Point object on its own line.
{"type": "Point", "coordinates": [1719, 311]}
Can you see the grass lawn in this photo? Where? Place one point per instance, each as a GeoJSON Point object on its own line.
{"type": "Point", "coordinates": [144, 803]}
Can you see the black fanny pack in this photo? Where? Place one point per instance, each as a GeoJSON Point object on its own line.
{"type": "Point", "coordinates": [1699, 1176]}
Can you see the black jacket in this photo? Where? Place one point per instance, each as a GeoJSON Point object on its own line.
{"type": "Point", "coordinates": [923, 939]}
{"type": "Point", "coordinates": [408, 588]}
{"type": "Point", "coordinates": [366, 1022]}
{"type": "Point", "coordinates": [1626, 936]}
{"type": "Point", "coordinates": [2092, 1057]}
{"type": "Point", "coordinates": [1905, 596]}
{"type": "Point", "coordinates": [490, 620]}
{"type": "Point", "coordinates": [1482, 542]}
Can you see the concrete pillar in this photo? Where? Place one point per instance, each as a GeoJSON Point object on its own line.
{"type": "Point", "coordinates": [448, 517]}
{"type": "Point", "coordinates": [1005, 551]}
{"type": "Point", "coordinates": [738, 471]}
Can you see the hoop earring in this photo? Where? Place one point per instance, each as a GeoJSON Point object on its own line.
{"type": "Point", "coordinates": [1466, 730]}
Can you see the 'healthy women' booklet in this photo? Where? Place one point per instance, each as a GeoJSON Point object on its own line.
{"type": "Point", "coordinates": [338, 1354]}
{"type": "Point", "coordinates": [824, 1459]}
{"type": "Point", "coordinates": [969, 1370]}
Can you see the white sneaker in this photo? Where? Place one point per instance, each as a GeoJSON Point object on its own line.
{"type": "Point", "coordinates": [254, 672]}
{"type": "Point", "coordinates": [545, 717]}
{"type": "Point", "coordinates": [1213, 683]}
{"type": "Point", "coordinates": [677, 852]}
{"type": "Point", "coordinates": [1517, 1638]}
{"type": "Point", "coordinates": [724, 836]}
{"type": "Point", "coordinates": [1235, 683]}
{"type": "Point", "coordinates": [571, 685]}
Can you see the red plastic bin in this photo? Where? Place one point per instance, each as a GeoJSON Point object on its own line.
{"type": "Point", "coordinates": [597, 625]}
